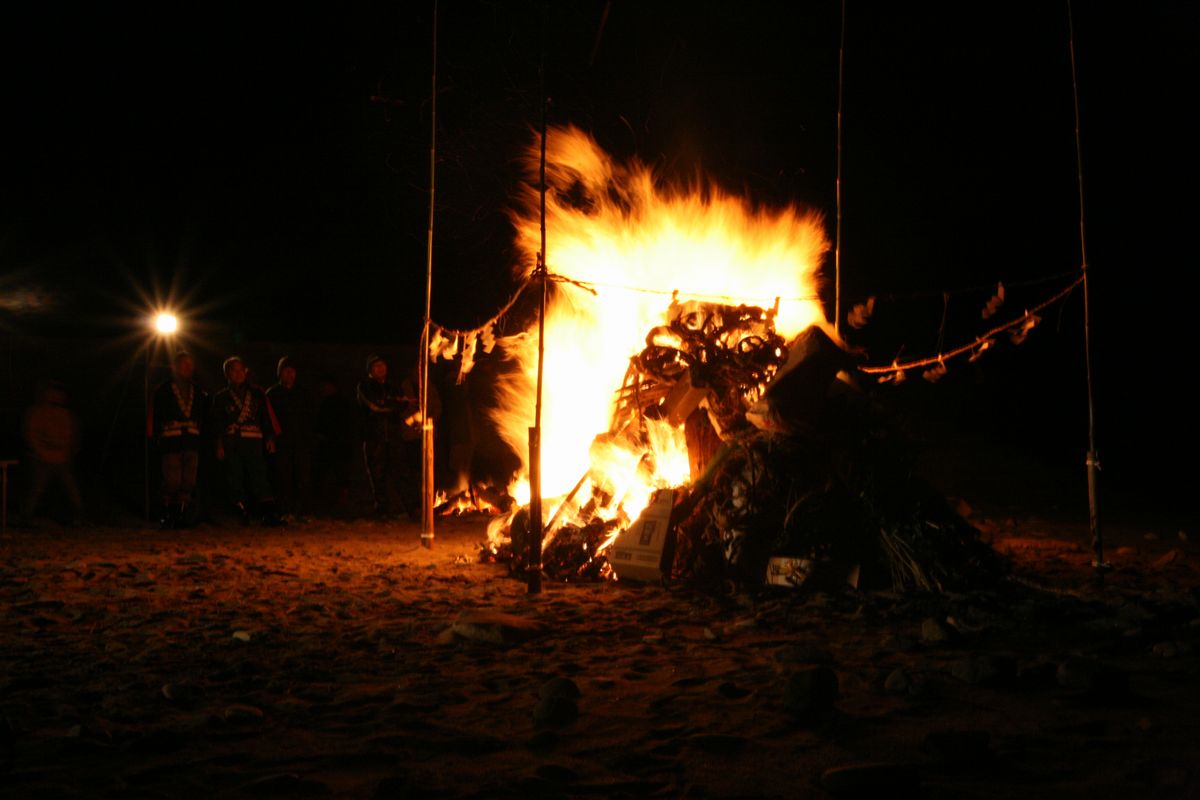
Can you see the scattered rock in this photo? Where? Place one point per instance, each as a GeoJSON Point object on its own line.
{"type": "Point", "coordinates": [934, 631]}
{"type": "Point", "coordinates": [1165, 650]}
{"type": "Point", "coordinates": [495, 627]}
{"type": "Point", "coordinates": [862, 780]}
{"type": "Point", "coordinates": [810, 690]}
{"type": "Point", "coordinates": [897, 682]}
{"type": "Point", "coordinates": [555, 711]}
{"type": "Point", "coordinates": [242, 636]}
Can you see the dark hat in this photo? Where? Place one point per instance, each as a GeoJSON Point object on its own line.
{"type": "Point", "coordinates": [371, 359]}
{"type": "Point", "coordinates": [286, 361]}
{"type": "Point", "coordinates": [229, 363]}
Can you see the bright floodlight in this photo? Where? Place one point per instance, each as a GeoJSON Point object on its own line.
{"type": "Point", "coordinates": [166, 323]}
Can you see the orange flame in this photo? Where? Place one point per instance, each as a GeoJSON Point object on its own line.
{"type": "Point", "coordinates": [614, 228]}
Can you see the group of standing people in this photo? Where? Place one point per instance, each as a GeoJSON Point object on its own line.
{"type": "Point", "coordinates": [264, 441]}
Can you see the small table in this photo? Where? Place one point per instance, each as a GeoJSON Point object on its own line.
{"type": "Point", "coordinates": [4, 465]}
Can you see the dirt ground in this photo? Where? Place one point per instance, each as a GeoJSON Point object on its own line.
{"type": "Point", "coordinates": [342, 659]}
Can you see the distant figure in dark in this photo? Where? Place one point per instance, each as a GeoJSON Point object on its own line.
{"type": "Point", "coordinates": [245, 426]}
{"type": "Point", "coordinates": [52, 433]}
{"type": "Point", "coordinates": [383, 409]}
{"type": "Point", "coordinates": [293, 447]}
{"type": "Point", "coordinates": [333, 431]}
{"type": "Point", "coordinates": [177, 411]}
{"type": "Point", "coordinates": [411, 455]}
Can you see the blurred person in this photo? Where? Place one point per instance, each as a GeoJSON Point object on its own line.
{"type": "Point", "coordinates": [382, 408]}
{"type": "Point", "coordinates": [293, 447]}
{"type": "Point", "coordinates": [52, 434]}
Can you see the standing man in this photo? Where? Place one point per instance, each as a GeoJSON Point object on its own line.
{"type": "Point", "coordinates": [383, 411]}
{"type": "Point", "coordinates": [176, 411]}
{"type": "Point", "coordinates": [293, 447]}
{"type": "Point", "coordinates": [245, 426]}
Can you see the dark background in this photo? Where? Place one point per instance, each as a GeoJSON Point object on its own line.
{"type": "Point", "coordinates": [266, 169]}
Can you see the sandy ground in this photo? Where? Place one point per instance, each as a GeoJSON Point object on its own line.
{"type": "Point", "coordinates": [335, 659]}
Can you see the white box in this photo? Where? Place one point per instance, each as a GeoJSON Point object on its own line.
{"type": "Point", "coordinates": [637, 554]}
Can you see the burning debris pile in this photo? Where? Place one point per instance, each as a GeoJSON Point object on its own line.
{"type": "Point", "coordinates": [727, 444]}
{"type": "Point", "coordinates": [795, 477]}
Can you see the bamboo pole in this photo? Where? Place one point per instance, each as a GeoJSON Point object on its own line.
{"type": "Point", "coordinates": [837, 246]}
{"type": "Point", "coordinates": [534, 585]}
{"type": "Point", "coordinates": [426, 424]}
{"type": "Point", "coordinates": [1093, 455]}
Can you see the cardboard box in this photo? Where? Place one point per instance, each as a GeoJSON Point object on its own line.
{"type": "Point", "coordinates": [637, 554]}
{"type": "Point", "coordinates": [788, 571]}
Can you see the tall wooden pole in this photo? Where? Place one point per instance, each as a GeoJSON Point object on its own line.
{"type": "Point", "coordinates": [146, 444]}
{"type": "Point", "coordinates": [837, 246]}
{"type": "Point", "coordinates": [1093, 455]}
{"type": "Point", "coordinates": [535, 433]}
{"type": "Point", "coordinates": [426, 423]}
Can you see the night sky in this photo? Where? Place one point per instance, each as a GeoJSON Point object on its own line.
{"type": "Point", "coordinates": [270, 165]}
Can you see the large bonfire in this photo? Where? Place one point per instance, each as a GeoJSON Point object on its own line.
{"type": "Point", "coordinates": [671, 314]}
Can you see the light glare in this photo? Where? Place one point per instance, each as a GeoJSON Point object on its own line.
{"type": "Point", "coordinates": [166, 323]}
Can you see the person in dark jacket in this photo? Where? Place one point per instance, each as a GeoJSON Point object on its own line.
{"type": "Point", "coordinates": [293, 446]}
{"type": "Point", "coordinates": [177, 410]}
{"type": "Point", "coordinates": [244, 425]}
{"type": "Point", "coordinates": [383, 409]}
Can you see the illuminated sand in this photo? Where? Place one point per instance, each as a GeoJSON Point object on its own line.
{"type": "Point", "coordinates": [315, 662]}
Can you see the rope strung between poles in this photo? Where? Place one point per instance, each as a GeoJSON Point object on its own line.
{"type": "Point", "coordinates": [981, 342]}
{"type": "Point", "coordinates": [478, 329]}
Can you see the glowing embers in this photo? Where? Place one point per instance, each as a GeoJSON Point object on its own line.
{"type": "Point", "coordinates": [476, 499]}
